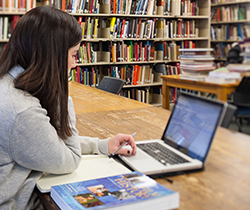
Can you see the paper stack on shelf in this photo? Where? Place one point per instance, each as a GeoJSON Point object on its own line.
{"type": "Point", "coordinates": [196, 63]}
{"type": "Point", "coordinates": [238, 67]}
{"type": "Point", "coordinates": [223, 77]}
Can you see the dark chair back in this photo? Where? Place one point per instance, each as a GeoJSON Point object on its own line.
{"type": "Point", "coordinates": [241, 96]}
{"type": "Point", "coordinates": [231, 109]}
{"type": "Point", "coordinates": [111, 84]}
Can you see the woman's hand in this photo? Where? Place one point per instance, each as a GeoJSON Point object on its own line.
{"type": "Point", "coordinates": [115, 142]}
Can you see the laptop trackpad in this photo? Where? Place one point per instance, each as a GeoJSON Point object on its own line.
{"type": "Point", "coordinates": [143, 162]}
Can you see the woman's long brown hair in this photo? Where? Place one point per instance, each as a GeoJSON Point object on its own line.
{"type": "Point", "coordinates": [40, 44]}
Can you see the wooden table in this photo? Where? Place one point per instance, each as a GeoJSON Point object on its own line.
{"type": "Point", "coordinates": [224, 184]}
{"type": "Point", "coordinates": [221, 90]}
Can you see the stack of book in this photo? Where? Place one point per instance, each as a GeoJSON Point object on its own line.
{"type": "Point", "coordinates": [196, 63]}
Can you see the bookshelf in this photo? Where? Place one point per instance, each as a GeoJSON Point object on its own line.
{"type": "Point", "coordinates": [229, 24]}
{"type": "Point", "coordinates": [116, 40]}
{"type": "Point", "coordinates": [170, 37]}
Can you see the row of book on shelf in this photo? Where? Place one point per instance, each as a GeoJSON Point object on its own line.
{"type": "Point", "coordinates": [136, 7]}
{"type": "Point", "coordinates": [17, 5]}
{"type": "Point", "coordinates": [132, 74]}
{"type": "Point", "coordinates": [230, 13]}
{"type": "Point", "coordinates": [133, 7]}
{"type": "Point", "coordinates": [151, 7]}
{"type": "Point", "coordinates": [7, 25]}
{"type": "Point", "coordinates": [139, 79]}
{"type": "Point", "coordinates": [113, 27]}
{"type": "Point", "coordinates": [224, 1]}
{"type": "Point", "coordinates": [130, 51]}
{"type": "Point", "coordinates": [230, 32]}
{"type": "Point", "coordinates": [149, 95]}
{"type": "Point", "coordinates": [120, 27]}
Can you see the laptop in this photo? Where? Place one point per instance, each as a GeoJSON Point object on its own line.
{"type": "Point", "coordinates": [187, 137]}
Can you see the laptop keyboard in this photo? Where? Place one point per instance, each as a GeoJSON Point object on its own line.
{"type": "Point", "coordinates": [162, 154]}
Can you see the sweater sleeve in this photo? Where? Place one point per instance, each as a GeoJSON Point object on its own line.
{"type": "Point", "coordinates": [34, 143]}
{"type": "Point", "coordinates": [89, 145]}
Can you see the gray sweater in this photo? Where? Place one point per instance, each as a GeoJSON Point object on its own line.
{"type": "Point", "coordinates": [29, 144]}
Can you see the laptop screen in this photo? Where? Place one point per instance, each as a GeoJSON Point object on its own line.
{"type": "Point", "coordinates": [192, 125]}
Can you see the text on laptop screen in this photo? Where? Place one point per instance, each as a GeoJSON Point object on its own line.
{"type": "Point", "coordinates": [192, 126]}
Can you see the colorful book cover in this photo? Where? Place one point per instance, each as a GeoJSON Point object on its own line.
{"type": "Point", "coordinates": [118, 191]}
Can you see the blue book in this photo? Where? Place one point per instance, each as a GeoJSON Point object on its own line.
{"type": "Point", "coordinates": [127, 191]}
{"type": "Point", "coordinates": [240, 32]}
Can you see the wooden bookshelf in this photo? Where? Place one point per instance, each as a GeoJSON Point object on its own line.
{"type": "Point", "coordinates": [228, 25]}
{"type": "Point", "coordinates": [201, 38]}
{"type": "Point", "coordinates": [194, 13]}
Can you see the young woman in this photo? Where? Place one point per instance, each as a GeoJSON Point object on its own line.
{"type": "Point", "coordinates": [37, 119]}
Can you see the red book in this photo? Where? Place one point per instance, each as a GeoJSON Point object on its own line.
{"type": "Point", "coordinates": [134, 78]}
{"type": "Point", "coordinates": [185, 44]}
{"type": "Point", "coordinates": [134, 51]}
{"type": "Point", "coordinates": [134, 8]}
{"type": "Point", "coordinates": [126, 53]}
{"type": "Point", "coordinates": [190, 28]}
{"type": "Point", "coordinates": [139, 29]}
{"type": "Point", "coordinates": [78, 74]}
{"type": "Point", "coordinates": [80, 20]}
{"type": "Point", "coordinates": [92, 2]}
{"type": "Point", "coordinates": [114, 6]}
{"type": "Point", "coordinates": [122, 30]}
{"type": "Point", "coordinates": [140, 54]}
{"type": "Point", "coordinates": [93, 75]}
{"type": "Point", "coordinates": [178, 68]}
{"type": "Point", "coordinates": [179, 29]}
{"type": "Point", "coordinates": [14, 22]}
{"type": "Point", "coordinates": [219, 14]}
{"type": "Point", "coordinates": [152, 52]}
{"type": "Point", "coordinates": [165, 50]}
{"type": "Point", "coordinates": [193, 8]}
{"type": "Point", "coordinates": [89, 52]}
{"type": "Point", "coordinates": [63, 5]}
{"type": "Point", "coordinates": [139, 71]}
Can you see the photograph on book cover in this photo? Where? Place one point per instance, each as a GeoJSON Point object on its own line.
{"type": "Point", "coordinates": [111, 193]}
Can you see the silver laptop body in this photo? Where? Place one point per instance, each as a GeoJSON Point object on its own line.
{"type": "Point", "coordinates": [189, 133]}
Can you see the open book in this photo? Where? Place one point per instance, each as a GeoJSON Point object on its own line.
{"type": "Point", "coordinates": [91, 167]}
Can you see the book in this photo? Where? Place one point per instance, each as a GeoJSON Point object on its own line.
{"type": "Point", "coordinates": [238, 67]}
{"type": "Point", "coordinates": [127, 191]}
{"type": "Point", "coordinates": [90, 167]}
